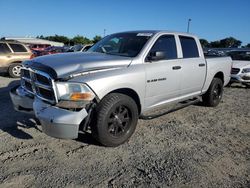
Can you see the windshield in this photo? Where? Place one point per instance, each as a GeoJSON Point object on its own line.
{"type": "Point", "coordinates": [77, 47]}
{"type": "Point", "coordinates": [122, 44]}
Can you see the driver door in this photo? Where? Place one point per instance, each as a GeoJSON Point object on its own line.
{"type": "Point", "coordinates": [163, 75]}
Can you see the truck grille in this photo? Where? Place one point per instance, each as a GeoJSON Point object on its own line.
{"type": "Point", "coordinates": [39, 84]}
{"type": "Point", "coordinates": [235, 71]}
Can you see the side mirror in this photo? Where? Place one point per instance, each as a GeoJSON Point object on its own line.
{"type": "Point", "coordinates": [156, 56]}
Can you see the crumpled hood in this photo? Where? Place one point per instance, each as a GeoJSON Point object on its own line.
{"type": "Point", "coordinates": [241, 64]}
{"type": "Point", "coordinates": [66, 64]}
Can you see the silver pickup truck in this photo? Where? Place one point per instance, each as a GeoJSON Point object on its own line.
{"type": "Point", "coordinates": [121, 78]}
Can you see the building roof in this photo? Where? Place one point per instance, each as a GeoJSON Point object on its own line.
{"type": "Point", "coordinates": [29, 40]}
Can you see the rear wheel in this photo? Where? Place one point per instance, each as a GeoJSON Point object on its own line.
{"type": "Point", "coordinates": [116, 119]}
{"type": "Point", "coordinates": [214, 94]}
{"type": "Point", "coordinates": [15, 70]}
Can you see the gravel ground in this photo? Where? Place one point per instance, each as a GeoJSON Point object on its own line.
{"type": "Point", "coordinates": [193, 147]}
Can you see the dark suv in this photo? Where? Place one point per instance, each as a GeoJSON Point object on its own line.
{"type": "Point", "coordinates": [11, 56]}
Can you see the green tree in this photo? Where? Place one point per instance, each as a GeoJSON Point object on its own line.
{"type": "Point", "coordinates": [96, 39]}
{"type": "Point", "coordinates": [80, 40]}
{"type": "Point", "coordinates": [248, 45]}
{"type": "Point", "coordinates": [204, 43]}
{"type": "Point", "coordinates": [215, 44]}
{"type": "Point", "coordinates": [40, 37]}
{"type": "Point", "coordinates": [230, 42]}
{"type": "Point", "coordinates": [58, 38]}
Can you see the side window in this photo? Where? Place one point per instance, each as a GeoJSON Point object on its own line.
{"type": "Point", "coordinates": [4, 48]}
{"type": "Point", "coordinates": [167, 44]}
{"type": "Point", "coordinates": [189, 47]}
{"type": "Point", "coordinates": [86, 48]}
{"type": "Point", "coordinates": [18, 47]}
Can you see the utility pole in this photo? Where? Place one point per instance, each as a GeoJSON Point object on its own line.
{"type": "Point", "coordinates": [104, 33]}
{"type": "Point", "coordinates": [188, 26]}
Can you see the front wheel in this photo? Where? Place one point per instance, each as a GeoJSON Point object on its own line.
{"type": "Point", "coordinates": [214, 93]}
{"type": "Point", "coordinates": [116, 119]}
{"type": "Point", "coordinates": [15, 70]}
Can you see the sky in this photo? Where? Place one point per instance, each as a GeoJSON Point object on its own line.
{"type": "Point", "coordinates": [212, 20]}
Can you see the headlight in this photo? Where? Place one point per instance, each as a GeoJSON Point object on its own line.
{"type": "Point", "coordinates": [74, 92]}
{"type": "Point", "coordinates": [246, 70]}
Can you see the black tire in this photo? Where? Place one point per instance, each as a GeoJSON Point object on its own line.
{"type": "Point", "coordinates": [214, 94]}
{"type": "Point", "coordinates": [116, 119]}
{"type": "Point", "coordinates": [15, 70]}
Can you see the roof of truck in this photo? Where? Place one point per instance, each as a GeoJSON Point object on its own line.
{"type": "Point", "coordinates": [159, 31]}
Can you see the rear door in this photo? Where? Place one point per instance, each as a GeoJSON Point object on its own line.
{"type": "Point", "coordinates": [193, 67]}
{"type": "Point", "coordinates": [20, 53]}
{"type": "Point", "coordinates": [5, 54]}
{"type": "Point", "coordinates": [162, 76]}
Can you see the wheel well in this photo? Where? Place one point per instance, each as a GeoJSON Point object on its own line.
{"type": "Point", "coordinates": [131, 93]}
{"type": "Point", "coordinates": [219, 75]}
{"type": "Point", "coordinates": [16, 62]}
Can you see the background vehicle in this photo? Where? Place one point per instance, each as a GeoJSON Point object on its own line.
{"type": "Point", "coordinates": [80, 48]}
{"type": "Point", "coordinates": [241, 66]}
{"type": "Point", "coordinates": [50, 50]}
{"type": "Point", "coordinates": [39, 47]}
{"type": "Point", "coordinates": [240, 55]}
{"type": "Point", "coordinates": [121, 78]}
{"type": "Point", "coordinates": [11, 56]}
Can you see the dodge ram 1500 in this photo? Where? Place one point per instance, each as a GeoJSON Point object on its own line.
{"type": "Point", "coordinates": [118, 80]}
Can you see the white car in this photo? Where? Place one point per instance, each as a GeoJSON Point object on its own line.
{"type": "Point", "coordinates": [241, 72]}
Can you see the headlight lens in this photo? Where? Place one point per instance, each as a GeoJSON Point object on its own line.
{"type": "Point", "coordinates": [74, 92]}
{"type": "Point", "coordinates": [246, 70]}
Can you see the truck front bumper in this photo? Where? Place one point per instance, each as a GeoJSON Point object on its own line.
{"type": "Point", "coordinates": [22, 100]}
{"type": "Point", "coordinates": [56, 122]}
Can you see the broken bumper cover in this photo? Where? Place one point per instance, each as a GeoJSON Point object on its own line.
{"type": "Point", "coordinates": [22, 100]}
{"type": "Point", "coordinates": [56, 122]}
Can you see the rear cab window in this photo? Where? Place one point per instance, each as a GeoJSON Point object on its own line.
{"type": "Point", "coordinates": [4, 48]}
{"type": "Point", "coordinates": [17, 47]}
{"type": "Point", "coordinates": [189, 47]}
{"type": "Point", "coordinates": [167, 44]}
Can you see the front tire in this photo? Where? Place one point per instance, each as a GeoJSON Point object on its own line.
{"type": "Point", "coordinates": [213, 95]}
{"type": "Point", "coordinates": [116, 119]}
{"type": "Point", "coordinates": [15, 70]}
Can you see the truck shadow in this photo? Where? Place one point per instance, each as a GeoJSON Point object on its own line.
{"type": "Point", "coordinates": [87, 138]}
{"type": "Point", "coordinates": [12, 121]}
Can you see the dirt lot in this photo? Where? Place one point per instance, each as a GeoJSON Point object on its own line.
{"type": "Point", "coordinates": [193, 147]}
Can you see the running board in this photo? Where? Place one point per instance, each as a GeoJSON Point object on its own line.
{"type": "Point", "coordinates": [179, 106]}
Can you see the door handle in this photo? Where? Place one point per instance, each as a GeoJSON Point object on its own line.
{"type": "Point", "coordinates": [202, 65]}
{"type": "Point", "coordinates": [9, 56]}
{"type": "Point", "coordinates": [176, 67]}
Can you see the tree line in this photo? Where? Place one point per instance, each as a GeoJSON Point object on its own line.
{"type": "Point", "coordinates": [78, 39]}
{"type": "Point", "coordinates": [229, 42]}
